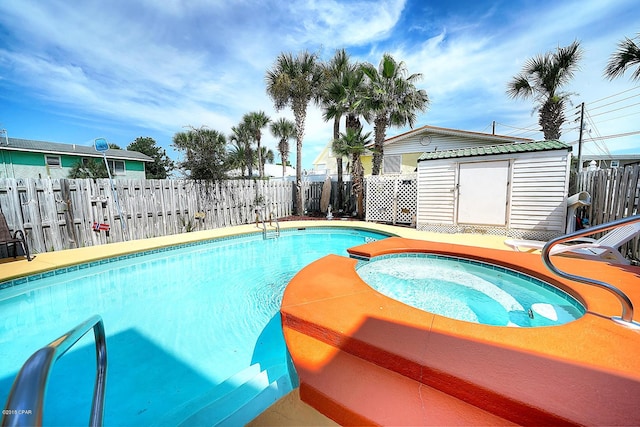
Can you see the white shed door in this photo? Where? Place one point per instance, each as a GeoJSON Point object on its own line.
{"type": "Point", "coordinates": [482, 193]}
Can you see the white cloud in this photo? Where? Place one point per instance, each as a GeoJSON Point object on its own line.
{"type": "Point", "coordinates": [336, 23]}
{"type": "Point", "coordinates": [164, 65]}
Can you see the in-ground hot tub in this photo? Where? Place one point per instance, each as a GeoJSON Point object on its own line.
{"type": "Point", "coordinates": [364, 358]}
{"type": "Point", "coordinates": [469, 290]}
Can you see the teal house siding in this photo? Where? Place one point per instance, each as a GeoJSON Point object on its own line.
{"type": "Point", "coordinates": [22, 158]}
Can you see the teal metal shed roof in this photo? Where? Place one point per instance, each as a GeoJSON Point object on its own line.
{"type": "Point", "coordinates": [488, 150]}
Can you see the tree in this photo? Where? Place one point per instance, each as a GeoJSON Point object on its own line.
{"type": "Point", "coordinates": [255, 122]}
{"type": "Point", "coordinates": [237, 157]}
{"type": "Point", "coordinates": [341, 96]}
{"type": "Point", "coordinates": [241, 138]}
{"type": "Point", "coordinates": [392, 99]}
{"type": "Point", "coordinates": [541, 78]}
{"type": "Point", "coordinates": [627, 55]}
{"type": "Point", "coordinates": [89, 168]}
{"type": "Point", "coordinates": [162, 165]}
{"type": "Point", "coordinates": [295, 81]}
{"type": "Point", "coordinates": [205, 153]}
{"type": "Point", "coordinates": [267, 155]}
{"type": "Point", "coordinates": [353, 143]}
{"type": "Point", "coordinates": [284, 130]}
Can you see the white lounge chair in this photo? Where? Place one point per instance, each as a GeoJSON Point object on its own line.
{"type": "Point", "coordinates": [602, 249]}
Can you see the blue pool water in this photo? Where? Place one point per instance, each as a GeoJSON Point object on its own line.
{"type": "Point", "coordinates": [179, 323]}
{"type": "Point", "coordinates": [469, 290]}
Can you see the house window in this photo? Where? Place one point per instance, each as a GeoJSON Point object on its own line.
{"type": "Point", "coordinates": [52, 161]}
{"type": "Point", "coordinates": [392, 164]}
{"type": "Point", "coordinates": [116, 167]}
{"type": "Point", "coordinates": [615, 163]}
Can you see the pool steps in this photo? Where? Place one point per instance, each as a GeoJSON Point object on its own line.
{"type": "Point", "coordinates": [235, 401]}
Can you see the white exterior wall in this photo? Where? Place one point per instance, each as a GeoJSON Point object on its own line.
{"type": "Point", "coordinates": [438, 142]}
{"type": "Point", "coordinates": [540, 182]}
{"type": "Point", "coordinates": [436, 195]}
{"type": "Point", "coordinates": [536, 208]}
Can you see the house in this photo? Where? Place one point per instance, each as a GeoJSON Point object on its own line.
{"type": "Point", "coordinates": [401, 152]}
{"type": "Point", "coordinates": [518, 190]}
{"type": "Point", "coordinates": [608, 161]}
{"type": "Point", "coordinates": [24, 158]}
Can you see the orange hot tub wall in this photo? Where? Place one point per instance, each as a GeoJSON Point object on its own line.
{"type": "Point", "coordinates": [363, 358]}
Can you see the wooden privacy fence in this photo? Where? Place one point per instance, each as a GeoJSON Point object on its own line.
{"type": "Point", "coordinates": [313, 192]}
{"type": "Point", "coordinates": [67, 213]}
{"type": "Point", "coordinates": [615, 194]}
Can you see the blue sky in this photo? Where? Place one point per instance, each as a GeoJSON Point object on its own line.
{"type": "Point", "coordinates": [74, 70]}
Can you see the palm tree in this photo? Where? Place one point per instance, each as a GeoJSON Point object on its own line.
{"type": "Point", "coordinates": [352, 143]}
{"type": "Point", "coordinates": [205, 153]}
{"type": "Point", "coordinates": [393, 99]}
{"type": "Point", "coordinates": [284, 130]}
{"type": "Point", "coordinates": [541, 78]}
{"type": "Point", "coordinates": [241, 137]}
{"type": "Point", "coordinates": [342, 93]}
{"type": "Point", "coordinates": [237, 156]}
{"type": "Point", "coordinates": [295, 81]}
{"type": "Point", "coordinates": [255, 122]}
{"type": "Point", "coordinates": [267, 155]}
{"type": "Point", "coordinates": [627, 55]}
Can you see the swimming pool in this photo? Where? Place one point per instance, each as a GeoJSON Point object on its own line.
{"type": "Point", "coordinates": [181, 323]}
{"type": "Point", "coordinates": [469, 290]}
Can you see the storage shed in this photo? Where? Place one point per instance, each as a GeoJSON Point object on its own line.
{"type": "Point", "coordinates": [517, 190]}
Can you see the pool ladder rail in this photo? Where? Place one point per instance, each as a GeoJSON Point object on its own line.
{"type": "Point", "coordinates": [272, 231]}
{"type": "Point", "coordinates": [26, 398]}
{"type": "Point", "coordinates": [626, 318]}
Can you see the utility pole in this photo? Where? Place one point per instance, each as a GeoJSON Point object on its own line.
{"type": "Point", "coordinates": [493, 128]}
{"type": "Point", "coordinates": [580, 138]}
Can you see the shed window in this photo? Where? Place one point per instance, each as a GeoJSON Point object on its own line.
{"type": "Point", "coordinates": [52, 161]}
{"type": "Point", "coordinates": [116, 167]}
{"type": "Point", "coordinates": [615, 163]}
{"type": "Point", "coordinates": [392, 164]}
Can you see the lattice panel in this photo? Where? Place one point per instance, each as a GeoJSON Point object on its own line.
{"type": "Point", "coordinates": [496, 231]}
{"type": "Point", "coordinates": [380, 193]}
{"type": "Point", "coordinates": [407, 192]}
{"type": "Point", "coordinates": [391, 199]}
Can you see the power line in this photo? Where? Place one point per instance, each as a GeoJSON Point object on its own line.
{"type": "Point", "coordinates": [619, 117]}
{"type": "Point", "coordinates": [611, 96]}
{"type": "Point", "coordinates": [618, 135]}
{"type": "Point", "coordinates": [615, 102]}
{"type": "Point", "coordinates": [617, 109]}
{"type": "Point", "coordinates": [603, 148]}
{"type": "Point", "coordinates": [519, 131]}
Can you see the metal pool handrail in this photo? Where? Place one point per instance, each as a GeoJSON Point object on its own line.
{"type": "Point", "coordinates": [626, 318]}
{"type": "Point", "coordinates": [26, 399]}
{"type": "Point", "coordinates": [264, 224]}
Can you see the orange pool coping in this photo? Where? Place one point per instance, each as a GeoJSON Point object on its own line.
{"type": "Point", "coordinates": [364, 358]}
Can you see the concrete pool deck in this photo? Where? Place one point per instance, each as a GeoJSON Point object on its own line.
{"type": "Point", "coordinates": [10, 268]}
{"type": "Point", "coordinates": [292, 410]}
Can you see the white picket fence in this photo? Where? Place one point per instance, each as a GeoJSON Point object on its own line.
{"type": "Point", "coordinates": [60, 213]}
